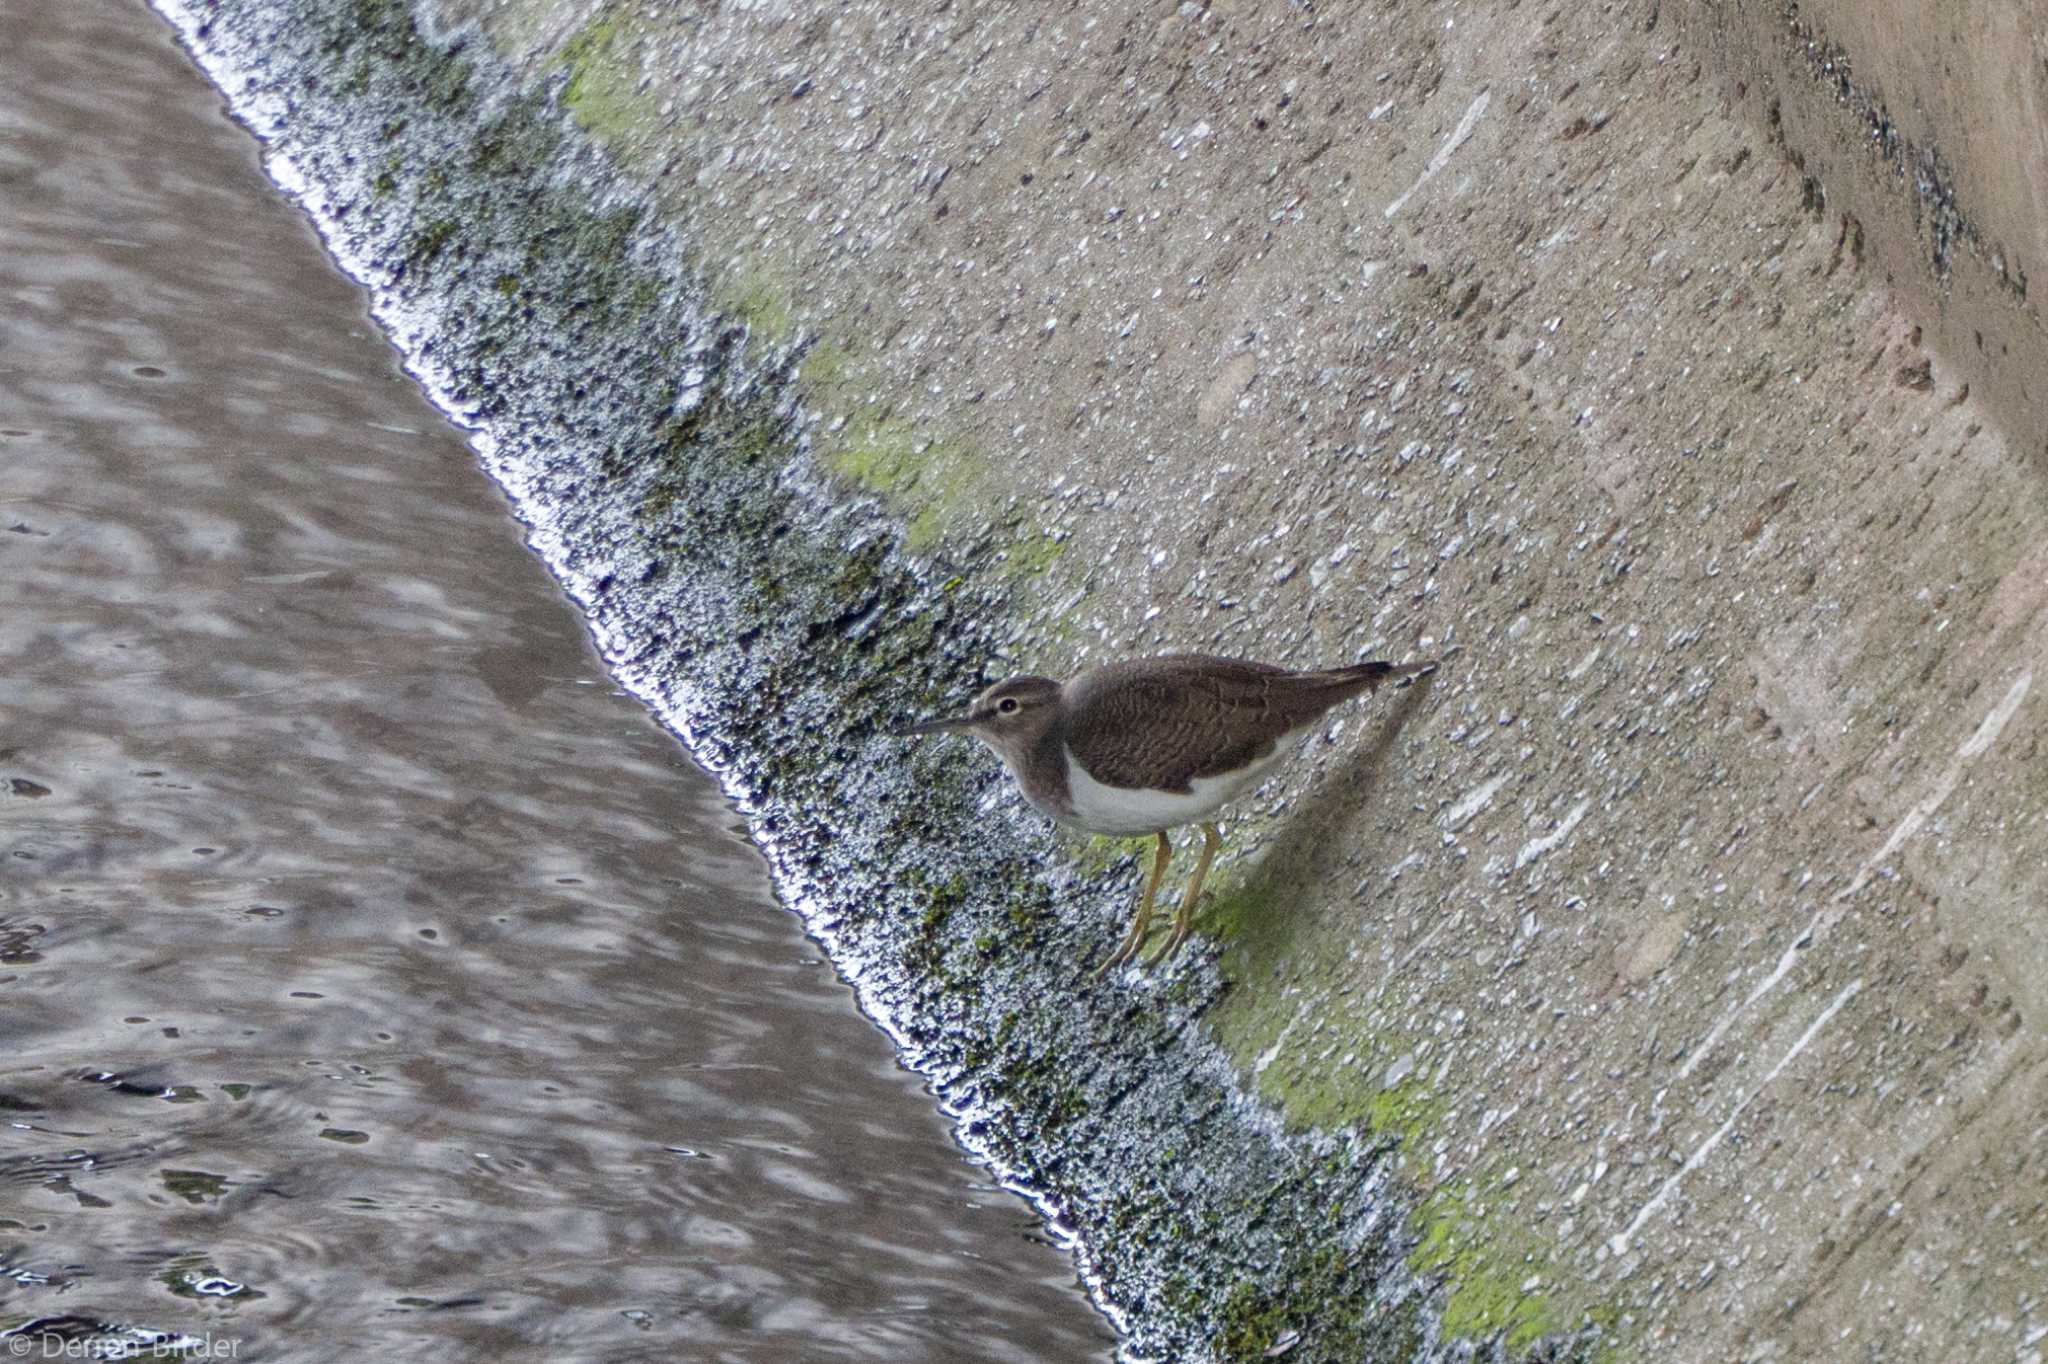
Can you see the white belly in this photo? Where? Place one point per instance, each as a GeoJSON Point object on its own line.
{"type": "Point", "coordinates": [1119, 810]}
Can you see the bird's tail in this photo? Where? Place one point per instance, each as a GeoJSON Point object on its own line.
{"type": "Point", "coordinates": [1374, 673]}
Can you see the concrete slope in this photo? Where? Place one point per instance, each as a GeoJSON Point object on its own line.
{"type": "Point", "coordinates": [1681, 940]}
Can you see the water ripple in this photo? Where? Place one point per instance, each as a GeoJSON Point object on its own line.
{"type": "Point", "coordinates": [370, 971]}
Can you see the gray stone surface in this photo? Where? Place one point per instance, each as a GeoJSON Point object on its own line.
{"type": "Point", "coordinates": [1676, 956]}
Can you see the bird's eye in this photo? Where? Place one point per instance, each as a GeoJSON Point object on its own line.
{"type": "Point", "coordinates": [1008, 705]}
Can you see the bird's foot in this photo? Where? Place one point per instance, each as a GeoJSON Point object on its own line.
{"type": "Point", "coordinates": [1126, 949]}
{"type": "Point", "coordinates": [1170, 947]}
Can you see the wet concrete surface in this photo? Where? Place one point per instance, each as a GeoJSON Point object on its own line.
{"type": "Point", "coordinates": [1679, 945]}
{"type": "Point", "coordinates": [370, 970]}
{"type": "Point", "coordinates": [649, 440]}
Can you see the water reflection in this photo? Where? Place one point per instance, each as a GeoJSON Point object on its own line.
{"type": "Point", "coordinates": [370, 971]}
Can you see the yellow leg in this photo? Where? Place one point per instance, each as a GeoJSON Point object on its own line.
{"type": "Point", "coordinates": [1143, 922]}
{"type": "Point", "coordinates": [1185, 919]}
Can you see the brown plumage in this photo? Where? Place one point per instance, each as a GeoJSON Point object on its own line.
{"type": "Point", "coordinates": [1148, 744]}
{"type": "Point", "coordinates": [1158, 723]}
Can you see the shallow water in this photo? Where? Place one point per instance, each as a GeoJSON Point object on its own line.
{"type": "Point", "coordinates": [373, 976]}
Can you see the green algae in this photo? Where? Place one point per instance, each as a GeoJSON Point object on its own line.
{"type": "Point", "coordinates": [931, 483]}
{"type": "Point", "coordinates": [1241, 912]}
{"type": "Point", "coordinates": [930, 479]}
{"type": "Point", "coordinates": [1032, 554]}
{"type": "Point", "coordinates": [1096, 854]}
{"type": "Point", "coordinates": [825, 373]}
{"type": "Point", "coordinates": [881, 456]}
{"type": "Point", "coordinates": [1486, 1269]}
{"type": "Point", "coordinates": [1312, 1050]}
{"type": "Point", "coordinates": [1303, 1305]}
{"type": "Point", "coordinates": [762, 302]}
{"type": "Point", "coordinates": [935, 484]}
{"type": "Point", "coordinates": [1314, 1289]}
{"type": "Point", "coordinates": [600, 93]}
{"type": "Point", "coordinates": [1321, 1068]}
{"type": "Point", "coordinates": [431, 240]}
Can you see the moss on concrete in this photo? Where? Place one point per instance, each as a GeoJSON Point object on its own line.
{"type": "Point", "coordinates": [1325, 1068]}
{"type": "Point", "coordinates": [1500, 1277]}
{"type": "Point", "coordinates": [928, 480]}
{"type": "Point", "coordinates": [577, 267]}
{"type": "Point", "coordinates": [760, 299]}
{"type": "Point", "coordinates": [1575, 397]}
{"type": "Point", "coordinates": [1485, 1257]}
{"type": "Point", "coordinates": [601, 92]}
{"type": "Point", "coordinates": [932, 484]}
{"type": "Point", "coordinates": [1314, 1055]}
{"type": "Point", "coordinates": [1031, 554]}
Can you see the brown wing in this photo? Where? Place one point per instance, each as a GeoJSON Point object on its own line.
{"type": "Point", "coordinates": [1161, 722]}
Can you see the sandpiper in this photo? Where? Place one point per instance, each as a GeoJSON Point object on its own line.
{"type": "Point", "coordinates": [1149, 744]}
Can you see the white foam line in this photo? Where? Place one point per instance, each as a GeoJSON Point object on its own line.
{"type": "Point", "coordinates": [1620, 1241]}
{"type": "Point", "coordinates": [1412, 953]}
{"type": "Point", "coordinates": [1473, 803]}
{"type": "Point", "coordinates": [1799, 944]}
{"type": "Point", "coordinates": [1536, 847]}
{"type": "Point", "coordinates": [1986, 734]}
{"type": "Point", "coordinates": [1272, 1053]}
{"type": "Point", "coordinates": [1443, 153]}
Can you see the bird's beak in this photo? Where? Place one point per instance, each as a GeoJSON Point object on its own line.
{"type": "Point", "coordinates": [950, 725]}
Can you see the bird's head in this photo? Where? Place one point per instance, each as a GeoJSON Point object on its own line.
{"type": "Point", "coordinates": [1009, 717]}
